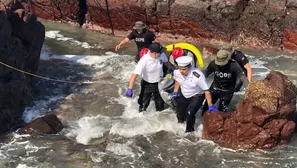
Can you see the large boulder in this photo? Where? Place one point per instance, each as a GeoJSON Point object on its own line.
{"type": "Point", "coordinates": [48, 124]}
{"type": "Point", "coordinates": [22, 37]}
{"type": "Point", "coordinates": [263, 119]}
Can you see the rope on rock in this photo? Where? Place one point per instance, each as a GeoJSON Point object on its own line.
{"type": "Point", "coordinates": [55, 80]}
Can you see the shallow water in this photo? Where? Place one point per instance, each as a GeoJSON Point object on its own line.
{"type": "Point", "coordinates": [104, 128]}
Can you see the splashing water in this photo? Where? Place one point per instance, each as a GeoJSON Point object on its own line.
{"type": "Point", "coordinates": [105, 129]}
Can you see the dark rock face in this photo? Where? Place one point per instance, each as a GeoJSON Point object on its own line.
{"type": "Point", "coordinates": [49, 124]}
{"type": "Point", "coordinates": [265, 118]}
{"type": "Point", "coordinates": [22, 37]}
{"type": "Point", "coordinates": [262, 23]}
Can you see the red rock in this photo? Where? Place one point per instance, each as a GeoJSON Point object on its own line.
{"type": "Point", "coordinates": [263, 119]}
{"type": "Point", "coordinates": [241, 22]}
{"type": "Point", "coordinates": [164, 25]}
{"type": "Point", "coordinates": [289, 39]}
{"type": "Point", "coordinates": [274, 127]}
{"type": "Point", "coordinates": [213, 124]}
{"type": "Point", "coordinates": [287, 131]}
{"type": "Point", "coordinates": [210, 51]}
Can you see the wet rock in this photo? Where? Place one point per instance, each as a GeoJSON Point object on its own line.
{"type": "Point", "coordinates": [253, 23]}
{"type": "Point", "coordinates": [290, 39]}
{"type": "Point", "coordinates": [263, 119]}
{"type": "Point", "coordinates": [22, 37]}
{"type": "Point", "coordinates": [49, 124]}
{"type": "Point", "coordinates": [210, 52]}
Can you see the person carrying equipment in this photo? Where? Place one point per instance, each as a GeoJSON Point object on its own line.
{"type": "Point", "coordinates": [150, 67]}
{"type": "Point", "coordinates": [194, 89]}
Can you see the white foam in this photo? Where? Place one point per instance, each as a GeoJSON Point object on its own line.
{"type": "Point", "coordinates": [97, 61]}
{"type": "Point", "coordinates": [97, 159]}
{"type": "Point", "coordinates": [257, 63]}
{"type": "Point", "coordinates": [131, 123]}
{"type": "Point", "coordinates": [54, 34]}
{"type": "Point", "coordinates": [88, 128]}
{"type": "Point", "coordinates": [134, 123]}
{"type": "Point", "coordinates": [126, 71]}
{"type": "Point", "coordinates": [39, 108]}
{"type": "Point", "coordinates": [260, 71]}
{"type": "Point", "coordinates": [23, 166]}
{"type": "Point", "coordinates": [17, 144]}
{"type": "Point", "coordinates": [120, 149]}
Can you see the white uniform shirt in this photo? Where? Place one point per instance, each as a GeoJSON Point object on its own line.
{"type": "Point", "coordinates": [151, 69]}
{"type": "Point", "coordinates": [190, 84]}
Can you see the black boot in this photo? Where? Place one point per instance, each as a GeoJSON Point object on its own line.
{"type": "Point", "coordinates": [180, 121]}
{"type": "Point", "coordinates": [141, 109]}
{"type": "Point", "coordinates": [190, 127]}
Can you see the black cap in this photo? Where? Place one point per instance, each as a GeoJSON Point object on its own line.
{"type": "Point", "coordinates": [157, 48]}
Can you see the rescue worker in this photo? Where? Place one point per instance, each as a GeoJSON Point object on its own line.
{"type": "Point", "coordinates": [175, 53]}
{"type": "Point", "coordinates": [150, 68]}
{"type": "Point", "coordinates": [242, 60]}
{"type": "Point", "coordinates": [194, 89]}
{"type": "Point", "coordinates": [225, 70]}
{"type": "Point", "coordinates": [178, 52]}
{"type": "Point", "coordinates": [142, 37]}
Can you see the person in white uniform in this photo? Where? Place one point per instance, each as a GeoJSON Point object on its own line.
{"type": "Point", "coordinates": [194, 89]}
{"type": "Point", "coordinates": [150, 67]}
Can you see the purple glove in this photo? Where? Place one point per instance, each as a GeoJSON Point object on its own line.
{"type": "Point", "coordinates": [171, 71]}
{"type": "Point", "coordinates": [129, 92]}
{"type": "Point", "coordinates": [212, 108]}
{"type": "Point", "coordinates": [174, 94]}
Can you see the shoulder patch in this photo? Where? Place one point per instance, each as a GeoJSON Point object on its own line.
{"type": "Point", "coordinates": [196, 74]}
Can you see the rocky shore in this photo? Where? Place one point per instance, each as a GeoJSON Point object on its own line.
{"type": "Point", "coordinates": [22, 37]}
{"type": "Point", "coordinates": [263, 23]}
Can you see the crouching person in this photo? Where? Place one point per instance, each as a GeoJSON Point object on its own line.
{"type": "Point", "coordinates": [194, 90]}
